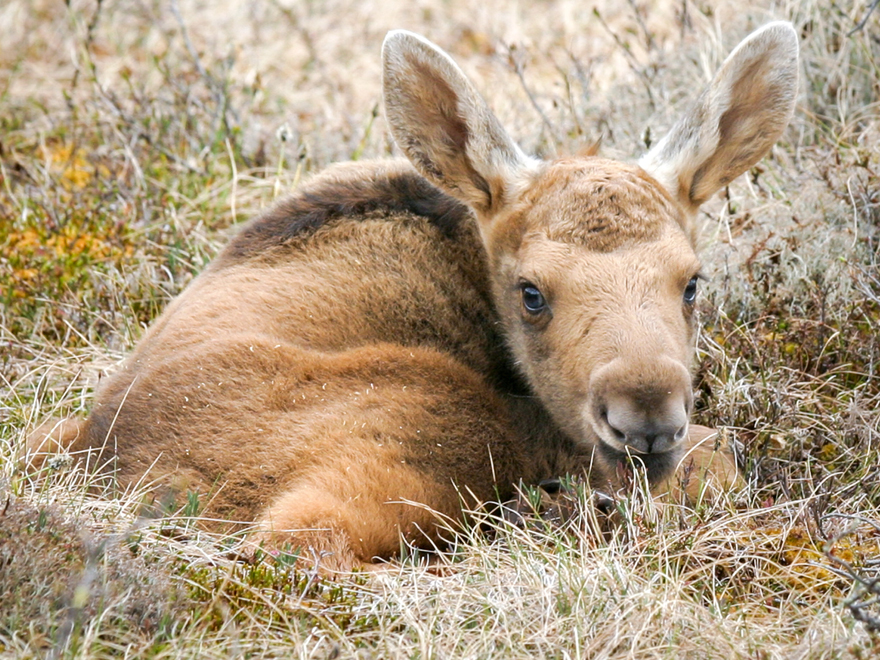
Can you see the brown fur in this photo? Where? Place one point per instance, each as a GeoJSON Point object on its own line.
{"type": "Point", "coordinates": [360, 359]}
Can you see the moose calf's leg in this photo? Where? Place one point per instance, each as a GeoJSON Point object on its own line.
{"type": "Point", "coordinates": [52, 437]}
{"type": "Point", "coordinates": [708, 467]}
{"type": "Point", "coordinates": [342, 518]}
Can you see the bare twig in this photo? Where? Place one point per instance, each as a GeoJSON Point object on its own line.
{"type": "Point", "coordinates": [139, 133]}
{"type": "Point", "coordinates": [633, 63]}
{"type": "Point", "coordinates": [866, 592]}
{"type": "Point", "coordinates": [90, 38]}
{"type": "Point", "coordinates": [219, 89]}
{"type": "Point", "coordinates": [515, 58]}
{"type": "Point", "coordinates": [649, 38]}
{"type": "Point", "coordinates": [684, 18]}
{"type": "Point", "coordinates": [861, 24]}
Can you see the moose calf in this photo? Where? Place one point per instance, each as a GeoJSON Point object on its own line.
{"type": "Point", "coordinates": [399, 338]}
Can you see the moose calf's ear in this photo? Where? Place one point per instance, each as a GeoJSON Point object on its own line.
{"type": "Point", "coordinates": [444, 126]}
{"type": "Point", "coordinates": [736, 120]}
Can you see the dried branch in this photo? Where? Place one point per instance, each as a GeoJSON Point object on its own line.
{"type": "Point", "coordinates": [861, 24]}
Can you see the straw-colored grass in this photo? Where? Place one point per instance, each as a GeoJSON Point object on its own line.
{"type": "Point", "coordinates": [135, 135]}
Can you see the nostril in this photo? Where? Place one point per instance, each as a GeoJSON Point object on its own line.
{"type": "Point", "coordinates": [680, 433]}
{"type": "Point", "coordinates": [619, 435]}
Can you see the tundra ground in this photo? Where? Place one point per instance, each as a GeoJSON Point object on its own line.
{"type": "Point", "coordinates": [136, 135]}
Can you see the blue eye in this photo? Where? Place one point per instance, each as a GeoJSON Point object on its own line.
{"type": "Point", "coordinates": [533, 300]}
{"type": "Point", "coordinates": [690, 291]}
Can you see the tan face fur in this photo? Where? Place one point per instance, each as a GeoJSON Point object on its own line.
{"type": "Point", "coordinates": [609, 354]}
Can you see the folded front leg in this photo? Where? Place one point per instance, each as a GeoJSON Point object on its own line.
{"type": "Point", "coordinates": [707, 467]}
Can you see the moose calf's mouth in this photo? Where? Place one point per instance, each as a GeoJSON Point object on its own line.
{"type": "Point", "coordinates": [631, 430]}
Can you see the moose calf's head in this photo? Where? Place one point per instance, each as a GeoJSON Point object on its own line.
{"type": "Point", "coordinates": [592, 261]}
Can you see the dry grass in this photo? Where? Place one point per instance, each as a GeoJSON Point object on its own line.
{"type": "Point", "coordinates": [135, 134]}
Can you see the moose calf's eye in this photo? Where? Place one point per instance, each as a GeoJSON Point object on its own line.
{"type": "Point", "coordinates": [690, 291]}
{"type": "Point", "coordinates": [533, 300]}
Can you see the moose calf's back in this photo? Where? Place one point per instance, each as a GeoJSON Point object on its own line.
{"type": "Point", "coordinates": [339, 333]}
{"type": "Point", "coordinates": [390, 341]}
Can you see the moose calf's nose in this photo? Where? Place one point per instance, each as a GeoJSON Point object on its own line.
{"type": "Point", "coordinates": [647, 430]}
{"type": "Point", "coordinates": [646, 421]}
{"type": "Point", "coordinates": [641, 405]}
